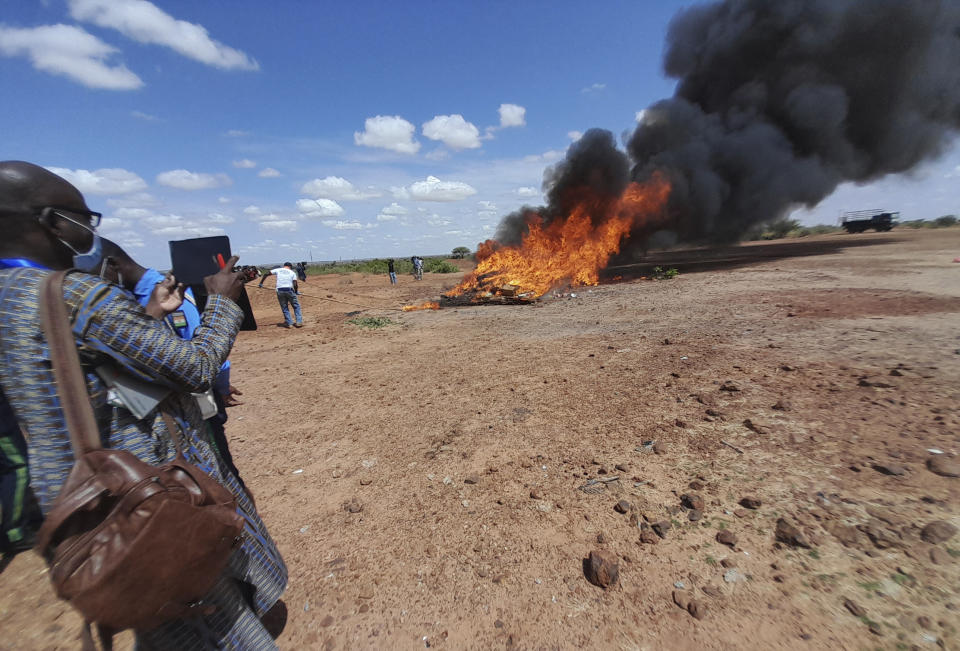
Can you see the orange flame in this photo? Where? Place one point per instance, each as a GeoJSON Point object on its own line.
{"type": "Point", "coordinates": [572, 250]}
{"type": "Point", "coordinates": [429, 305]}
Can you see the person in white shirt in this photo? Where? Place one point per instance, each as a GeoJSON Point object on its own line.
{"type": "Point", "coordinates": [287, 292]}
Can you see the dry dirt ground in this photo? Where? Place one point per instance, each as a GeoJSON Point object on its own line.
{"type": "Point", "coordinates": [423, 480]}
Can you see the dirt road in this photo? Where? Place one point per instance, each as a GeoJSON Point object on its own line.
{"type": "Point", "coordinates": [423, 480]}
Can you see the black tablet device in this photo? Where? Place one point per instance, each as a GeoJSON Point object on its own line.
{"type": "Point", "coordinates": [195, 259]}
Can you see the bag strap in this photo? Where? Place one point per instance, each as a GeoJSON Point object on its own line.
{"type": "Point", "coordinates": [174, 430]}
{"type": "Point", "coordinates": [71, 385]}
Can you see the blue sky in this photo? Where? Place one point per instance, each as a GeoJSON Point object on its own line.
{"type": "Point", "coordinates": [338, 130]}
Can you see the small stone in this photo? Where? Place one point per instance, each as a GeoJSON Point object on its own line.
{"type": "Point", "coordinates": [659, 447]}
{"type": "Point", "coordinates": [647, 537]}
{"type": "Point", "coordinates": [682, 424]}
{"type": "Point", "coordinates": [715, 413]}
{"type": "Point", "coordinates": [498, 624]}
{"type": "Point", "coordinates": [471, 479]}
{"type": "Point", "coordinates": [875, 629]}
{"type": "Point", "coordinates": [729, 386]}
{"type": "Point", "coordinates": [729, 562]}
{"type": "Point", "coordinates": [622, 506]}
{"type": "Point", "coordinates": [732, 576]}
{"type": "Point", "coordinates": [727, 537]}
{"type": "Point", "coordinates": [939, 556]}
{"type": "Point", "coordinates": [448, 480]}
{"type": "Point", "coordinates": [681, 598]}
{"type": "Point", "coordinates": [937, 532]}
{"type": "Point", "coordinates": [892, 469]}
{"type": "Point", "coordinates": [365, 481]}
{"type": "Point", "coordinates": [787, 367]}
{"type": "Point", "coordinates": [782, 405]}
{"type": "Point", "coordinates": [535, 494]}
{"type": "Point", "coordinates": [602, 568]}
{"type": "Point", "coordinates": [697, 608]}
{"type": "Point", "coordinates": [712, 591]}
{"type": "Point", "coordinates": [942, 465]}
{"type": "Point", "coordinates": [696, 485]}
{"type": "Point", "coordinates": [661, 528]}
{"type": "Point", "coordinates": [925, 622]}
{"type": "Point", "coordinates": [750, 502]}
{"type": "Point", "coordinates": [693, 501]}
{"type": "Point", "coordinates": [847, 535]}
{"type": "Point", "coordinates": [621, 467]}
{"type": "Point", "coordinates": [694, 515]}
{"type": "Point", "coordinates": [789, 533]}
{"type": "Point", "coordinates": [741, 513]}
{"type": "Point", "coordinates": [326, 621]}
{"type": "Point", "coordinates": [855, 609]}
{"type": "Point", "coordinates": [779, 578]}
{"type": "Point", "coordinates": [353, 506]}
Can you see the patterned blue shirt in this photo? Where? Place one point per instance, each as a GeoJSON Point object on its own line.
{"type": "Point", "coordinates": [109, 326]}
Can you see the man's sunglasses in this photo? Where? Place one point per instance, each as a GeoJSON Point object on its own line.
{"type": "Point", "coordinates": [89, 217]}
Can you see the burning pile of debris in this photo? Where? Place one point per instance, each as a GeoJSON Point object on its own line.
{"type": "Point", "coordinates": [502, 295]}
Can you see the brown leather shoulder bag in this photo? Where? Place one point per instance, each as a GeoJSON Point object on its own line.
{"type": "Point", "coordinates": [130, 545]}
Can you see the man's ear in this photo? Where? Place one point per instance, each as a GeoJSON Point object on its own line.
{"type": "Point", "coordinates": [49, 221]}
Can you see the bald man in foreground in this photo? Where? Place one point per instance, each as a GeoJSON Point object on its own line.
{"type": "Point", "coordinates": [47, 226]}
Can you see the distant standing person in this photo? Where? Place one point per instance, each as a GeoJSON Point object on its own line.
{"type": "Point", "coordinates": [418, 267]}
{"type": "Point", "coordinates": [392, 271]}
{"type": "Point", "coordinates": [287, 290]}
{"type": "Point", "coordinates": [302, 271]}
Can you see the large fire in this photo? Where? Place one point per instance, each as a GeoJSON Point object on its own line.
{"type": "Point", "coordinates": [569, 251]}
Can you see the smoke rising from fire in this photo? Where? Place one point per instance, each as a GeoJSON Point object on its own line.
{"type": "Point", "coordinates": [777, 102]}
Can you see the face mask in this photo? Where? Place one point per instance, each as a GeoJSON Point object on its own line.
{"type": "Point", "coordinates": [90, 260]}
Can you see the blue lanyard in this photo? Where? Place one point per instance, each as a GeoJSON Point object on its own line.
{"type": "Point", "coordinates": [8, 263]}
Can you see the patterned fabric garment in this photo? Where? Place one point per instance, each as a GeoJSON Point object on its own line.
{"type": "Point", "coordinates": [108, 324]}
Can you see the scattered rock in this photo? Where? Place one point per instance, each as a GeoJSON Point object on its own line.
{"type": "Point", "coordinates": [729, 562]}
{"type": "Point", "coordinates": [846, 535]}
{"type": "Point", "coordinates": [729, 386]}
{"type": "Point", "coordinates": [733, 576]}
{"type": "Point", "coordinates": [326, 621]}
{"type": "Point", "coordinates": [727, 537]}
{"type": "Point", "coordinates": [661, 528]}
{"type": "Point", "coordinates": [925, 622]}
{"type": "Point", "coordinates": [647, 537]}
{"type": "Point", "coordinates": [693, 501]}
{"type": "Point", "coordinates": [697, 608]}
{"type": "Point", "coordinates": [621, 467]}
{"type": "Point", "coordinates": [535, 494]}
{"type": "Point", "coordinates": [740, 513]}
{"type": "Point", "coordinates": [782, 405]}
{"type": "Point", "coordinates": [471, 479]}
{"type": "Point", "coordinates": [696, 485]}
{"type": "Point", "coordinates": [694, 515]}
{"type": "Point", "coordinates": [787, 367]}
{"type": "Point", "coordinates": [659, 447]}
{"type": "Point", "coordinates": [365, 481]}
{"type": "Point", "coordinates": [875, 629]}
{"type": "Point", "coordinates": [756, 427]}
{"type": "Point", "coordinates": [601, 568]}
{"type": "Point", "coordinates": [353, 506]}
{"type": "Point", "coordinates": [942, 465]}
{"type": "Point", "coordinates": [750, 502]}
{"type": "Point", "coordinates": [788, 533]}
{"type": "Point", "coordinates": [622, 506]}
{"type": "Point", "coordinates": [716, 413]}
{"type": "Point", "coordinates": [893, 469]}
{"type": "Point", "coordinates": [940, 557]}
{"type": "Point", "coordinates": [712, 591]}
{"type": "Point", "coordinates": [855, 609]}
{"type": "Point", "coordinates": [938, 531]}
{"type": "Point", "coordinates": [681, 598]}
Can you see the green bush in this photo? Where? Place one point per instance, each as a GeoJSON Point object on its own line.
{"type": "Point", "coordinates": [946, 220]}
{"type": "Point", "coordinates": [439, 266]}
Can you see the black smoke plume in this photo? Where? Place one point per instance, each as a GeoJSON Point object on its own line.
{"type": "Point", "coordinates": [778, 102]}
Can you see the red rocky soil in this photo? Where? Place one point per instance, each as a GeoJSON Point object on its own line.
{"type": "Point", "coordinates": [745, 449]}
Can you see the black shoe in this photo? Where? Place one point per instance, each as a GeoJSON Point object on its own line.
{"type": "Point", "coordinates": [11, 549]}
{"type": "Point", "coordinates": [297, 325]}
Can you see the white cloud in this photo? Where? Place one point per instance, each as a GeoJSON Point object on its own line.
{"type": "Point", "coordinates": [244, 164]}
{"type": "Point", "coordinates": [574, 135]}
{"type": "Point", "coordinates": [453, 131]}
{"type": "Point", "coordinates": [177, 225]}
{"type": "Point", "coordinates": [388, 132]}
{"type": "Point", "coordinates": [146, 117]}
{"type": "Point", "coordinates": [131, 213]}
{"type": "Point", "coordinates": [103, 181]}
{"type": "Point", "coordinates": [219, 218]}
{"type": "Point", "coordinates": [527, 192]}
{"type": "Point", "coordinates": [269, 173]}
{"type": "Point", "coordinates": [593, 88]}
{"type": "Point", "coordinates": [185, 180]}
{"type": "Point", "coordinates": [236, 133]}
{"type": "Point", "coordinates": [433, 189]}
{"type": "Point", "coordinates": [512, 115]}
{"type": "Point", "coordinates": [251, 210]}
{"type": "Point", "coordinates": [340, 225]}
{"type": "Point", "coordinates": [223, 199]}
{"type": "Point", "coordinates": [487, 205]}
{"type": "Point", "coordinates": [336, 187]}
{"type": "Point", "coordinates": [639, 116]}
{"type": "Point", "coordinates": [280, 225]}
{"type": "Point", "coordinates": [70, 52]}
{"type": "Point", "coordinates": [144, 22]}
{"type": "Point", "coordinates": [317, 208]}
{"type": "Point", "coordinates": [135, 200]}
{"type": "Point", "coordinates": [394, 209]}
{"type": "Point", "coordinates": [383, 217]}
